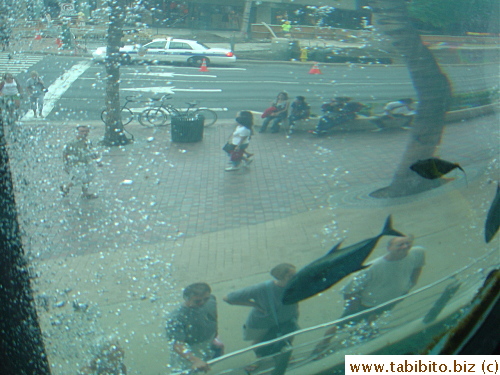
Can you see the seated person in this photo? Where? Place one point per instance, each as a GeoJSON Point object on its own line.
{"type": "Point", "coordinates": [300, 110]}
{"type": "Point", "coordinates": [281, 113]}
{"type": "Point", "coordinates": [401, 109]}
{"type": "Point", "coordinates": [337, 112]}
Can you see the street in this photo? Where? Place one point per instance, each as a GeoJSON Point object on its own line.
{"type": "Point", "coordinates": [246, 85]}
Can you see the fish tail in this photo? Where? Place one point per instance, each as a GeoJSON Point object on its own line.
{"type": "Point", "coordinates": [389, 230]}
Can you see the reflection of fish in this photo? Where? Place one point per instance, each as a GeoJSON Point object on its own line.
{"type": "Point", "coordinates": [493, 218]}
{"type": "Point", "coordinates": [333, 267]}
{"type": "Point", "coordinates": [434, 168]}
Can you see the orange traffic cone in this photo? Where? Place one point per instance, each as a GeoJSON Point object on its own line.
{"type": "Point", "coordinates": [37, 35]}
{"type": "Point", "coordinates": [315, 69]}
{"type": "Point", "coordinates": [203, 67]}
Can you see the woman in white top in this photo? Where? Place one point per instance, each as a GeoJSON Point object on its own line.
{"type": "Point", "coordinates": [239, 140]}
{"type": "Point", "coordinates": [10, 91]}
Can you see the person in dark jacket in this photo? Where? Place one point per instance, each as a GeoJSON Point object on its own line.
{"type": "Point", "coordinates": [300, 110]}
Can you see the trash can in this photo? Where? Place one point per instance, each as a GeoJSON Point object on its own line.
{"type": "Point", "coordinates": [187, 129]}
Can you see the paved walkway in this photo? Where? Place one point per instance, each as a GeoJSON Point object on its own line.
{"type": "Point", "coordinates": [168, 215]}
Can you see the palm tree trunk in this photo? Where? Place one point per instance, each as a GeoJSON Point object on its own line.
{"type": "Point", "coordinates": [114, 133]}
{"type": "Point", "coordinates": [433, 89]}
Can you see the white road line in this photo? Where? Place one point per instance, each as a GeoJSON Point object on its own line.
{"type": "Point", "coordinates": [150, 67]}
{"type": "Point", "coordinates": [59, 87]}
{"type": "Point", "coordinates": [160, 74]}
{"type": "Point", "coordinates": [141, 109]}
{"type": "Point", "coordinates": [17, 63]}
{"type": "Point", "coordinates": [168, 89]}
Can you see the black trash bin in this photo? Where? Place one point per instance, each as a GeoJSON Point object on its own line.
{"type": "Point", "coordinates": [187, 129]}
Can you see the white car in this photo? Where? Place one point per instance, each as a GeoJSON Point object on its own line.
{"type": "Point", "coordinates": [171, 50]}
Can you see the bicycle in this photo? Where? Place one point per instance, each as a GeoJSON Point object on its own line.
{"type": "Point", "coordinates": [125, 112]}
{"type": "Point", "coordinates": [161, 112]}
{"type": "Point", "coordinates": [8, 110]}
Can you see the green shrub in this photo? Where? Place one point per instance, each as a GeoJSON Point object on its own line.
{"type": "Point", "coordinates": [473, 99]}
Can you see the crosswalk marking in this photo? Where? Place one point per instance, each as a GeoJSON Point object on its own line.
{"type": "Point", "coordinates": [16, 63]}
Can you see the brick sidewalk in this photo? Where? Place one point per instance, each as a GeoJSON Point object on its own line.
{"type": "Point", "coordinates": [169, 215]}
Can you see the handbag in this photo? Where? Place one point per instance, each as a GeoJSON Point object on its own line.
{"type": "Point", "coordinates": [268, 112]}
{"type": "Point", "coordinates": [228, 147]}
{"type": "Point", "coordinates": [236, 155]}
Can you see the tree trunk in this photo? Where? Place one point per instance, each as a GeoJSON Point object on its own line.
{"type": "Point", "coordinates": [245, 20]}
{"type": "Point", "coordinates": [114, 134]}
{"type": "Point", "coordinates": [433, 90]}
{"type": "Point", "coordinates": [21, 346]}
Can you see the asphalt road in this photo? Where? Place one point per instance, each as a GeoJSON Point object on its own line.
{"type": "Point", "coordinates": [246, 85]}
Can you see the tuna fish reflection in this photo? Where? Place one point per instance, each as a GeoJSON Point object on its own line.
{"type": "Point", "coordinates": [333, 267]}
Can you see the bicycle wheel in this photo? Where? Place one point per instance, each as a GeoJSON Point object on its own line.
{"type": "Point", "coordinates": [154, 117]}
{"type": "Point", "coordinates": [209, 116]}
{"type": "Point", "coordinates": [126, 114]}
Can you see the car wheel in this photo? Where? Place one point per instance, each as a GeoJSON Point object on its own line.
{"type": "Point", "coordinates": [197, 61]}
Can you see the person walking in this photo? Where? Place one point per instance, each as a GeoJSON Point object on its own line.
{"type": "Point", "coordinates": [278, 113]}
{"type": "Point", "coordinates": [388, 277]}
{"type": "Point", "coordinates": [192, 329]}
{"type": "Point", "coordinates": [239, 140]}
{"type": "Point", "coordinates": [80, 158]}
{"type": "Point", "coordinates": [269, 317]}
{"type": "Point", "coordinates": [11, 93]}
{"type": "Point", "coordinates": [36, 91]}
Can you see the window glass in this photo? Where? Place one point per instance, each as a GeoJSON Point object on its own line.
{"type": "Point", "coordinates": [350, 183]}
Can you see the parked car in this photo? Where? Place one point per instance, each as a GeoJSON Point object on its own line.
{"type": "Point", "coordinates": [171, 50]}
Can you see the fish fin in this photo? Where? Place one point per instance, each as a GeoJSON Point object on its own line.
{"type": "Point", "coordinates": [389, 230]}
{"type": "Point", "coordinates": [465, 174]}
{"type": "Point", "coordinates": [335, 248]}
{"type": "Point", "coordinates": [492, 219]}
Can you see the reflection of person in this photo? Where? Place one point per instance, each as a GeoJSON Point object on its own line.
{"type": "Point", "coordinates": [109, 360]}
{"type": "Point", "coordinates": [269, 318]}
{"type": "Point", "coordinates": [279, 114]}
{"type": "Point", "coordinates": [299, 110]}
{"type": "Point", "coordinates": [11, 92]}
{"type": "Point", "coordinates": [192, 328]}
{"type": "Point", "coordinates": [36, 91]}
{"type": "Point", "coordinates": [400, 109]}
{"type": "Point", "coordinates": [79, 158]}
{"type": "Point", "coordinates": [239, 140]}
{"type": "Point", "coordinates": [387, 278]}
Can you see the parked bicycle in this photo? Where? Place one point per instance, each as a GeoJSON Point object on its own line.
{"type": "Point", "coordinates": [126, 113]}
{"type": "Point", "coordinates": [161, 112]}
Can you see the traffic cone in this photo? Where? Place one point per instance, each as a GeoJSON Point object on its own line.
{"type": "Point", "coordinates": [315, 69]}
{"type": "Point", "coordinates": [203, 67]}
{"type": "Point", "coordinates": [37, 35]}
